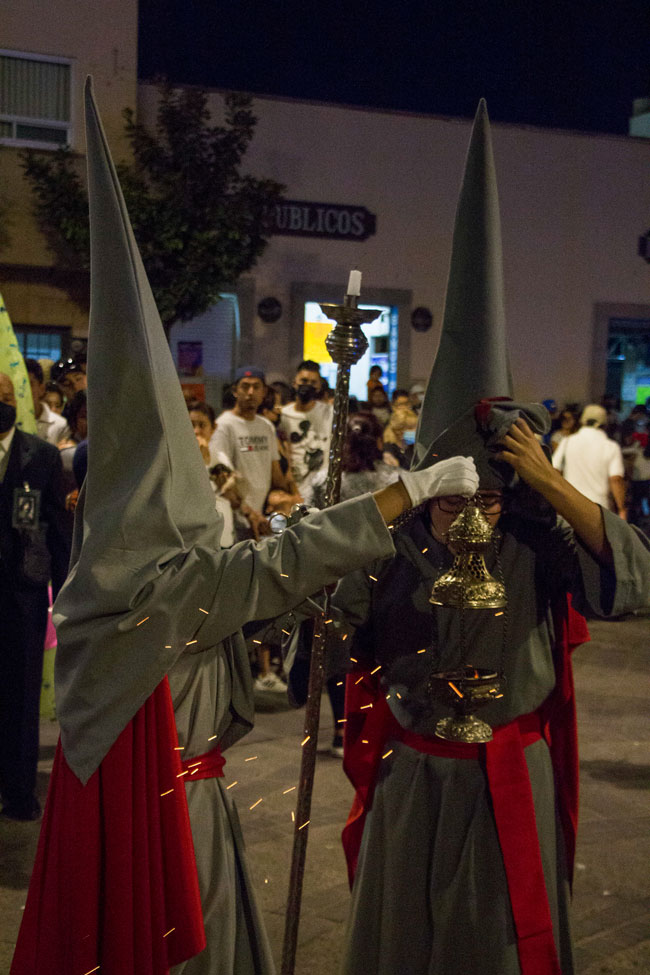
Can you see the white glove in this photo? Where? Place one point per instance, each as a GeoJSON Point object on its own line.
{"type": "Point", "coordinates": [457, 475]}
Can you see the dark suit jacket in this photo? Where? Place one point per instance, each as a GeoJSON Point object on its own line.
{"type": "Point", "coordinates": [37, 463]}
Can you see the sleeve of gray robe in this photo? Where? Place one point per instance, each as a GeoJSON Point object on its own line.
{"type": "Point", "coordinates": [108, 665]}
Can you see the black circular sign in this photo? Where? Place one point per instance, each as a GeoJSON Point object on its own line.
{"type": "Point", "coordinates": [421, 319]}
{"type": "Point", "coordinates": [269, 309]}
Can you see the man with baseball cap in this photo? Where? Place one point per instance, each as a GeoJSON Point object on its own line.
{"type": "Point", "coordinates": [593, 463]}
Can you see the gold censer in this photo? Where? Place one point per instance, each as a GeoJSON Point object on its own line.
{"type": "Point", "coordinates": [467, 585]}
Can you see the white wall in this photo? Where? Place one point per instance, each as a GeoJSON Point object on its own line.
{"type": "Point", "coordinates": [572, 206]}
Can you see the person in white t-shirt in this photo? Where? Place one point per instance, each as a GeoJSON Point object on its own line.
{"type": "Point", "coordinates": [50, 426]}
{"type": "Point", "coordinates": [249, 443]}
{"type": "Point", "coordinates": [307, 423]}
{"type": "Point", "coordinates": [593, 463]}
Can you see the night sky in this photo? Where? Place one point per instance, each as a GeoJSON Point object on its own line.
{"type": "Point", "coordinates": [567, 64]}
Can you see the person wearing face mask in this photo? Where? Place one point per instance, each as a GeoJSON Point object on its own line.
{"type": "Point", "coordinates": [307, 423]}
{"type": "Point", "coordinates": [33, 549]}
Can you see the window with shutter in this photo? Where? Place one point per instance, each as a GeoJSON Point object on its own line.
{"type": "Point", "coordinates": [35, 100]}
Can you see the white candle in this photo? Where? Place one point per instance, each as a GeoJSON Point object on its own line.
{"type": "Point", "coordinates": [354, 283]}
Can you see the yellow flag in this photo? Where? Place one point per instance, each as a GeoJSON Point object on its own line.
{"type": "Point", "coordinates": [13, 365]}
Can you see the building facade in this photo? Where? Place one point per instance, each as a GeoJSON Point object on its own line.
{"type": "Point", "coordinates": [370, 189]}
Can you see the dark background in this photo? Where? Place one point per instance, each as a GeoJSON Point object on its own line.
{"type": "Point", "coordinates": [574, 65]}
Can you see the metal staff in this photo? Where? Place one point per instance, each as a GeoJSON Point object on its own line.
{"type": "Point", "coordinates": [346, 343]}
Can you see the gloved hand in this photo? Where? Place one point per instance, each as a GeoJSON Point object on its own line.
{"type": "Point", "coordinates": [457, 475]}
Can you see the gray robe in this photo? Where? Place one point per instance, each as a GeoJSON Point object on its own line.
{"type": "Point", "coordinates": [212, 695]}
{"type": "Point", "coordinates": [430, 894]}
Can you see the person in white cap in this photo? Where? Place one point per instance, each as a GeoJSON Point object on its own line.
{"type": "Point", "coordinates": [462, 853]}
{"type": "Point", "coordinates": [149, 618]}
{"type": "Point", "coordinates": [592, 462]}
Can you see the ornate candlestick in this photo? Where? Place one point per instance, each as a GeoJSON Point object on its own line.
{"type": "Point", "coordinates": [346, 343]}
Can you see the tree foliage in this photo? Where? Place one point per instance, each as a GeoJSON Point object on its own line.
{"type": "Point", "coordinates": [198, 219]}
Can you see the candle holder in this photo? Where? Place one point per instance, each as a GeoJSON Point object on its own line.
{"type": "Point", "coordinates": [346, 344]}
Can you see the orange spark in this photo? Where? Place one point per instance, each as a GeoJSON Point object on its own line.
{"type": "Point", "coordinates": [287, 791]}
{"type": "Point", "coordinates": [305, 824]}
{"type": "Point", "coordinates": [454, 688]}
{"type": "Point", "coordinates": [231, 784]}
{"type": "Point", "coordinates": [256, 804]}
{"type": "Point", "coordinates": [137, 624]}
{"type": "Point", "coordinates": [378, 667]}
{"type": "Point", "coordinates": [206, 613]}
{"type": "Point", "coordinates": [168, 932]}
{"type": "Point", "coordinates": [251, 759]}
{"type": "Point", "coordinates": [166, 793]}
{"type": "Point", "coordinates": [305, 740]}
{"type": "Point", "coordinates": [389, 752]}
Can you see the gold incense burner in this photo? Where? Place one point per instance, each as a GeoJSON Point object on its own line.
{"type": "Point", "coordinates": [467, 585]}
{"type": "Point", "coordinates": [465, 690]}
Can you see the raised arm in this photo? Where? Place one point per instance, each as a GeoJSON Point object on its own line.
{"type": "Point", "coordinates": [523, 452]}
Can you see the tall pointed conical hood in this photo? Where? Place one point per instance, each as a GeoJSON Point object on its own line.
{"type": "Point", "coordinates": [146, 502]}
{"type": "Point", "coordinates": [472, 359]}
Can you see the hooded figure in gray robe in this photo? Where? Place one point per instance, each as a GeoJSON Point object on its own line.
{"type": "Point", "coordinates": [150, 593]}
{"type": "Point", "coordinates": [430, 895]}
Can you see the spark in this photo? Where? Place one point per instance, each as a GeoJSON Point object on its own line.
{"type": "Point", "coordinates": [259, 642]}
{"type": "Point", "coordinates": [423, 651]}
{"type": "Point", "coordinates": [344, 637]}
{"type": "Point", "coordinates": [364, 707]}
{"type": "Point", "coordinates": [388, 696]}
{"type": "Point", "coordinates": [204, 611]}
{"type": "Point", "coordinates": [168, 646]}
{"type": "Point", "coordinates": [93, 970]}
{"type": "Point", "coordinates": [305, 824]}
{"type": "Point", "coordinates": [341, 720]}
{"type": "Point", "coordinates": [195, 770]}
{"type": "Point", "coordinates": [266, 880]}
{"type": "Point", "coordinates": [181, 773]}
{"type": "Point", "coordinates": [374, 578]}
{"type": "Point", "coordinates": [232, 784]}
{"type": "Point", "coordinates": [364, 741]}
{"type": "Point", "coordinates": [339, 683]}
{"type": "Point", "coordinates": [305, 740]}
{"type": "Point", "coordinates": [329, 621]}
{"type": "Point", "coordinates": [389, 527]}
{"type": "Point", "coordinates": [284, 575]}
{"type": "Point", "coordinates": [399, 695]}
{"type": "Point", "coordinates": [212, 737]}
{"type": "Point", "coordinates": [425, 550]}
{"type": "Point", "coordinates": [293, 816]}
{"type": "Point", "coordinates": [389, 752]}
{"type": "Point", "coordinates": [378, 667]}
{"type": "Point", "coordinates": [357, 681]}
{"type": "Point", "coordinates": [190, 642]}
{"type": "Point", "coordinates": [500, 613]}
{"type": "Point", "coordinates": [251, 759]}
{"type": "Point", "coordinates": [497, 696]}
{"type": "Point", "coordinates": [256, 804]}
{"type": "Point", "coordinates": [166, 793]}
{"type": "Point", "coordinates": [287, 791]}
{"type": "Point", "coordinates": [194, 765]}
{"type": "Point", "coordinates": [179, 748]}
{"type": "Point", "coordinates": [454, 688]}
{"type": "Point", "coordinates": [168, 932]}
{"type": "Point", "coordinates": [354, 660]}
{"type": "Point", "coordinates": [137, 624]}
{"type": "Point", "coordinates": [287, 632]}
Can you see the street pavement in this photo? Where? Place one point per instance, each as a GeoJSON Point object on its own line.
{"type": "Point", "coordinates": [611, 906]}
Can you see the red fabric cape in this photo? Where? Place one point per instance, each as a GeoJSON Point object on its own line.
{"type": "Point", "coordinates": [369, 724]}
{"type": "Point", "coordinates": [114, 885]}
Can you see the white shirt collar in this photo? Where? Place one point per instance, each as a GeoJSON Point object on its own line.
{"type": "Point", "coordinates": [5, 444]}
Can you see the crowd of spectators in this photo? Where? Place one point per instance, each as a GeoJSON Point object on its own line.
{"type": "Point", "coordinates": [267, 451]}
{"type": "Point", "coordinates": [605, 454]}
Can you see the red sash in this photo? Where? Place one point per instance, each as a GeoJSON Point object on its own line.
{"type": "Point", "coordinates": [207, 766]}
{"type": "Point", "coordinates": [370, 724]}
{"type": "Point", "coordinates": [114, 885]}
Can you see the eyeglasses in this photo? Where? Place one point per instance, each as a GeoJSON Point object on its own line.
{"type": "Point", "coordinates": [490, 502]}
